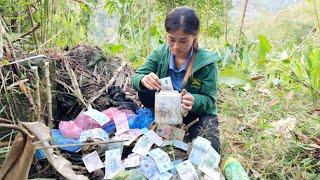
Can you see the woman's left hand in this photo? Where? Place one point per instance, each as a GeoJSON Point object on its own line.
{"type": "Point", "coordinates": [187, 100]}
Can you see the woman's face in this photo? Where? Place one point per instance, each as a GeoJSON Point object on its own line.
{"type": "Point", "coordinates": [180, 43]}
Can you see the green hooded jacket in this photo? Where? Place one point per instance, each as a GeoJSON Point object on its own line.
{"type": "Point", "coordinates": [202, 83]}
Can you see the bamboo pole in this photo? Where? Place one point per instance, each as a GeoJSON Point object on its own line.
{"type": "Point", "coordinates": [316, 12]}
{"type": "Point", "coordinates": [49, 95]}
{"type": "Point", "coordinates": [36, 83]}
{"type": "Point", "coordinates": [225, 22]}
{"type": "Point", "coordinates": [242, 20]}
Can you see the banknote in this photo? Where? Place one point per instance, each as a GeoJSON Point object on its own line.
{"type": "Point", "coordinates": [215, 175]}
{"type": "Point", "coordinates": [148, 168]}
{"type": "Point", "coordinates": [96, 133]}
{"type": "Point", "coordinates": [164, 130]}
{"type": "Point", "coordinates": [170, 132]}
{"type": "Point", "coordinates": [162, 176]}
{"type": "Point", "coordinates": [154, 137]}
{"type": "Point", "coordinates": [92, 161]}
{"type": "Point", "coordinates": [116, 145]}
{"type": "Point", "coordinates": [176, 143]}
{"type": "Point", "coordinates": [177, 134]}
{"type": "Point", "coordinates": [112, 163]}
{"type": "Point", "coordinates": [121, 122]}
{"type": "Point", "coordinates": [142, 146]}
{"type": "Point", "coordinates": [132, 161]}
{"type": "Point", "coordinates": [181, 145]}
{"type": "Point", "coordinates": [166, 84]}
{"type": "Point", "coordinates": [162, 160]}
{"type": "Point", "coordinates": [187, 171]}
{"type": "Point", "coordinates": [200, 147]}
{"type": "Point", "coordinates": [98, 116]}
{"type": "Point", "coordinates": [210, 162]}
{"type": "Point", "coordinates": [134, 132]}
{"type": "Point", "coordinates": [175, 162]}
{"type": "Point", "coordinates": [127, 138]}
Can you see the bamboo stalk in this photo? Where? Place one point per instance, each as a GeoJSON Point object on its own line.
{"type": "Point", "coordinates": [242, 20]}
{"type": "Point", "coordinates": [31, 101]}
{"type": "Point", "coordinates": [49, 95]}
{"type": "Point", "coordinates": [149, 26]}
{"type": "Point", "coordinates": [32, 25]}
{"type": "Point", "coordinates": [8, 40]}
{"type": "Point", "coordinates": [36, 82]}
{"type": "Point", "coordinates": [225, 22]}
{"type": "Point", "coordinates": [74, 83]}
{"type": "Point", "coordinates": [34, 28]}
{"type": "Point", "coordinates": [316, 12]}
{"type": "Point", "coordinates": [22, 60]}
{"type": "Point", "coordinates": [3, 86]}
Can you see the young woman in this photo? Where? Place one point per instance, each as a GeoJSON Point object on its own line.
{"type": "Point", "coordinates": [190, 67]}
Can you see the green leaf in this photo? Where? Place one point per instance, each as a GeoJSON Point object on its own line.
{"type": "Point", "coordinates": [265, 48]}
{"type": "Point", "coordinates": [232, 76]}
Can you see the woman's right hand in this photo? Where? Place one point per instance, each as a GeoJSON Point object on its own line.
{"type": "Point", "coordinates": [151, 81]}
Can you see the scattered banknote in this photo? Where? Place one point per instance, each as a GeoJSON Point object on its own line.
{"type": "Point", "coordinates": [210, 162]}
{"type": "Point", "coordinates": [164, 130]}
{"type": "Point", "coordinates": [154, 137]}
{"type": "Point", "coordinates": [199, 150]}
{"type": "Point", "coordinates": [162, 176]}
{"type": "Point", "coordinates": [149, 168]}
{"type": "Point", "coordinates": [127, 138]}
{"type": "Point", "coordinates": [162, 160]}
{"type": "Point", "coordinates": [132, 161]}
{"type": "Point", "coordinates": [112, 163]}
{"type": "Point", "coordinates": [96, 133]}
{"type": "Point", "coordinates": [134, 132]}
{"type": "Point", "coordinates": [144, 130]}
{"type": "Point", "coordinates": [175, 162]}
{"type": "Point", "coordinates": [121, 122]}
{"type": "Point", "coordinates": [92, 161]}
{"type": "Point", "coordinates": [186, 171]}
{"type": "Point", "coordinates": [170, 132]}
{"type": "Point", "coordinates": [177, 134]}
{"type": "Point", "coordinates": [215, 175]}
{"type": "Point", "coordinates": [166, 84]}
{"type": "Point", "coordinates": [116, 145]}
{"type": "Point", "coordinates": [181, 145]}
{"type": "Point", "coordinates": [176, 143]}
{"type": "Point", "coordinates": [98, 116]}
{"type": "Point", "coordinates": [142, 146]}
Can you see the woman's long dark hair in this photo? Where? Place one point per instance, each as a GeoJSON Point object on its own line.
{"type": "Point", "coordinates": [186, 19]}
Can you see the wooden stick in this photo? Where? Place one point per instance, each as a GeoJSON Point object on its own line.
{"type": "Point", "coordinates": [186, 128]}
{"type": "Point", "coordinates": [27, 92]}
{"type": "Point", "coordinates": [74, 83]}
{"type": "Point", "coordinates": [36, 82]}
{"type": "Point", "coordinates": [242, 20]}
{"type": "Point", "coordinates": [79, 144]}
{"type": "Point", "coordinates": [111, 81]}
{"type": "Point", "coordinates": [34, 28]}
{"type": "Point", "coordinates": [8, 39]}
{"type": "Point", "coordinates": [47, 41]}
{"type": "Point", "coordinates": [26, 59]}
{"type": "Point", "coordinates": [32, 24]}
{"type": "Point", "coordinates": [126, 83]}
{"type": "Point", "coordinates": [49, 95]}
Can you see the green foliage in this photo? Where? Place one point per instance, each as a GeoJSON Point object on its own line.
{"type": "Point", "coordinates": [307, 71]}
{"type": "Point", "coordinates": [264, 48]}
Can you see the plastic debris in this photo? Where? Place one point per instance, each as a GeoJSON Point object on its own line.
{"type": "Point", "coordinates": [233, 170]}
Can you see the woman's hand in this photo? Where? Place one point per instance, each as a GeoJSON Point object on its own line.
{"type": "Point", "coordinates": [151, 81]}
{"type": "Point", "coordinates": [187, 100]}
